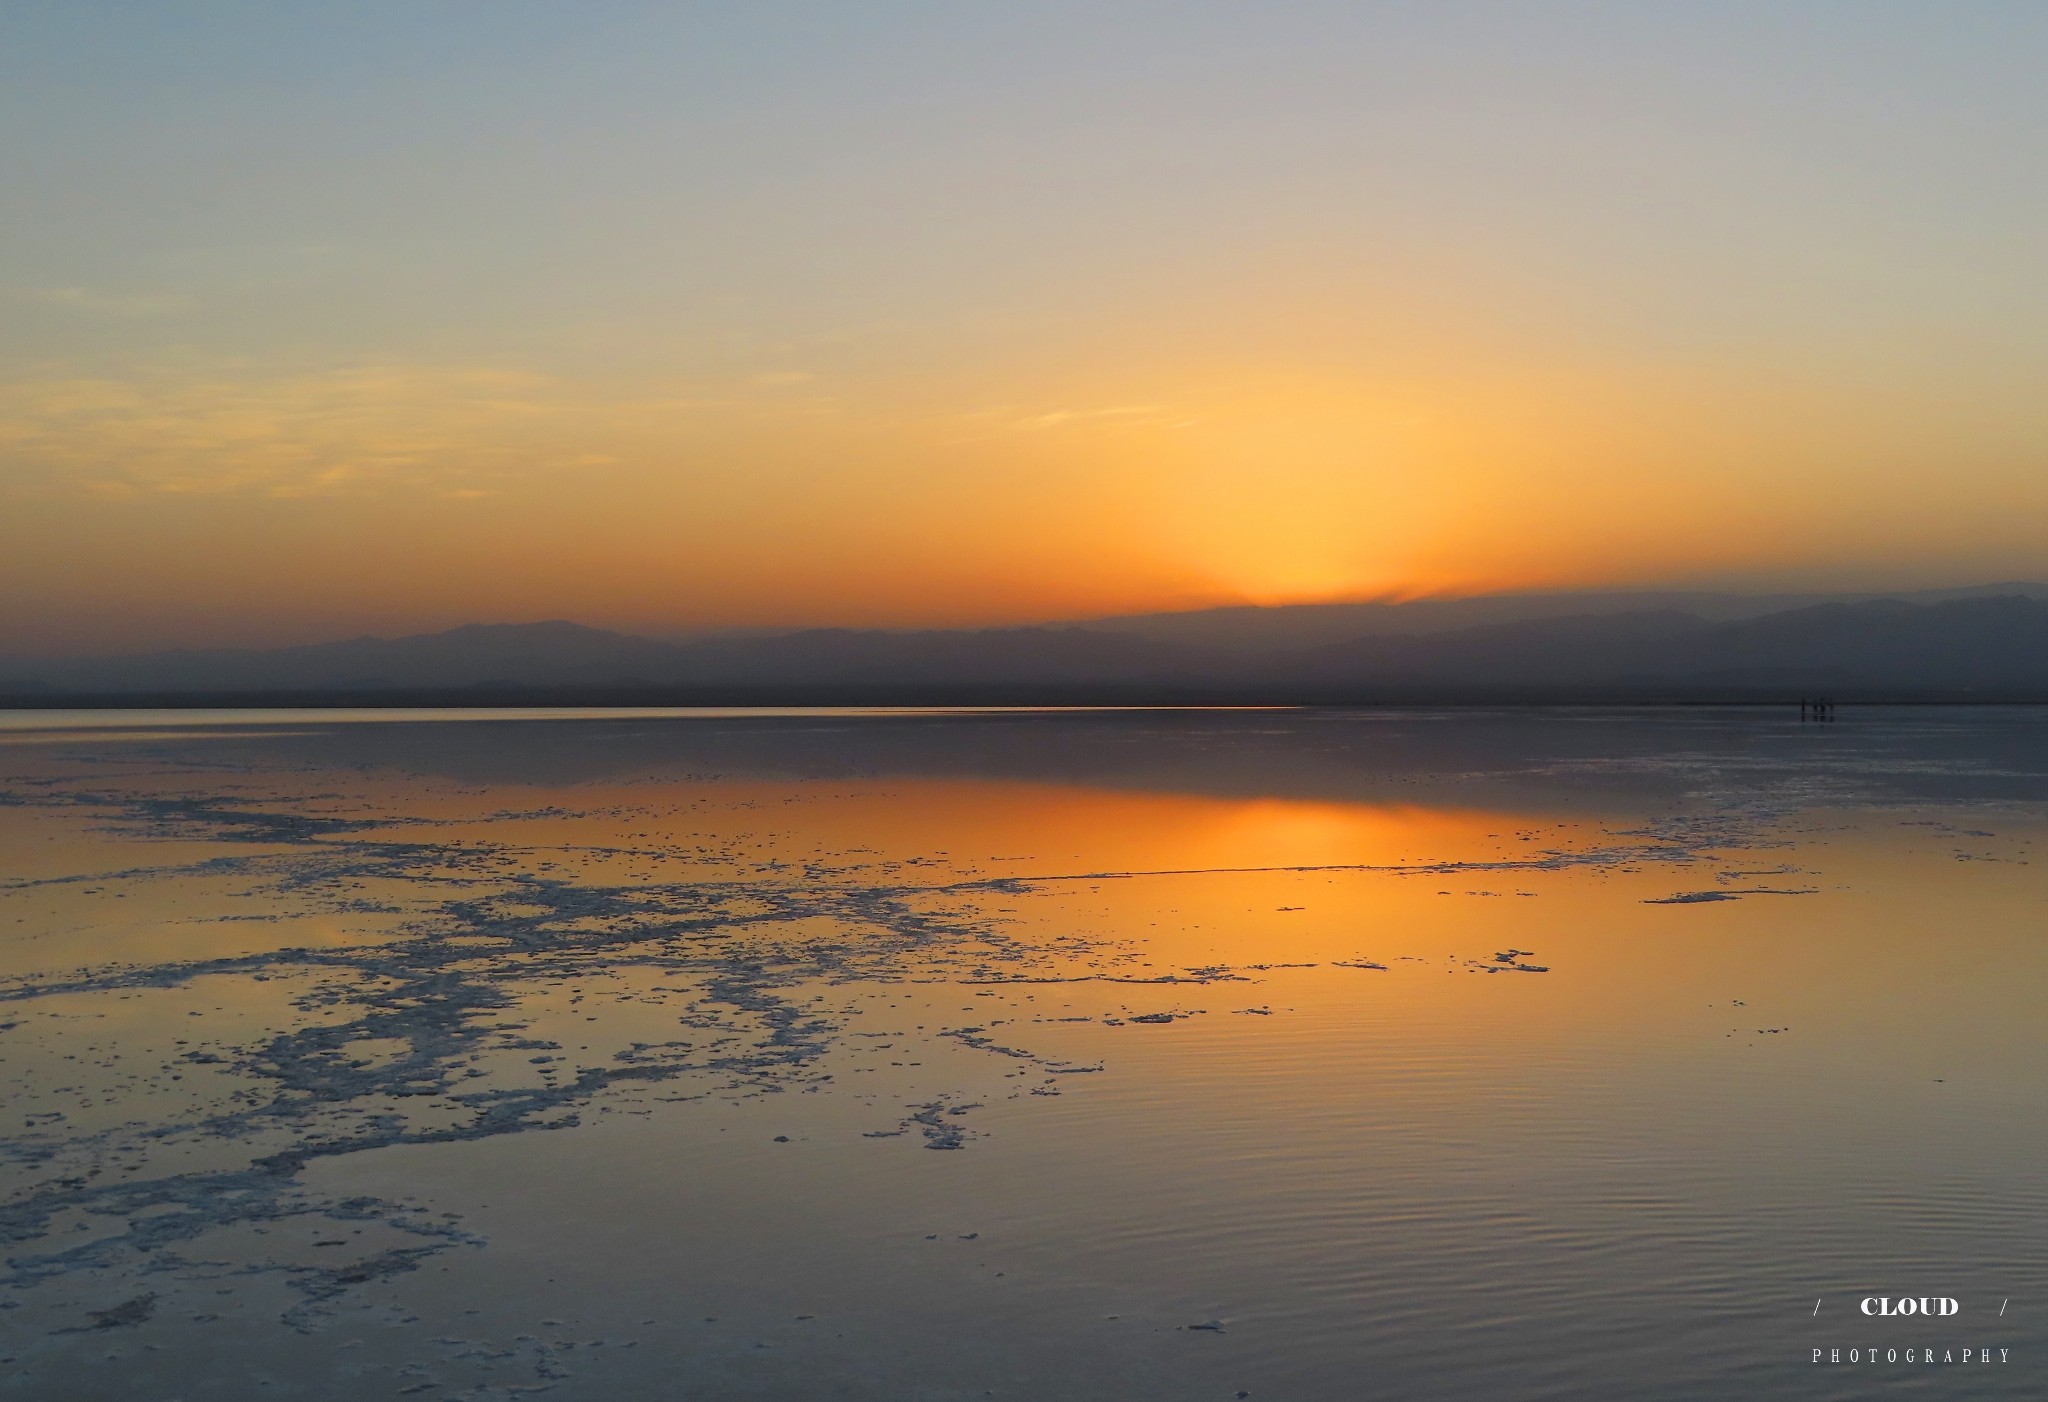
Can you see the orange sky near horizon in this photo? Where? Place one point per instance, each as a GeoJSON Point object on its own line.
{"type": "Point", "coordinates": [1188, 488]}
{"type": "Point", "coordinates": [672, 322]}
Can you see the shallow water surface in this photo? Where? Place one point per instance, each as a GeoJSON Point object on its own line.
{"type": "Point", "coordinates": [1122, 1054]}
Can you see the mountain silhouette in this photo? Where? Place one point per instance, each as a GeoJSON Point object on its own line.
{"type": "Point", "coordinates": [1964, 644]}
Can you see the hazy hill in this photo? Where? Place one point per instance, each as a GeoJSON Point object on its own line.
{"type": "Point", "coordinates": [1964, 644]}
{"type": "Point", "coordinates": [1884, 646]}
{"type": "Point", "coordinates": [561, 654]}
{"type": "Point", "coordinates": [1292, 627]}
{"type": "Point", "coordinates": [554, 653]}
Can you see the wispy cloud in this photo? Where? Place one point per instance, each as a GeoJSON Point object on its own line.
{"type": "Point", "coordinates": [1061, 418]}
{"type": "Point", "coordinates": [96, 302]}
{"type": "Point", "coordinates": [453, 432]}
{"type": "Point", "coordinates": [237, 428]}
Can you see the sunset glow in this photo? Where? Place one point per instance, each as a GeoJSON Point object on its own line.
{"type": "Point", "coordinates": [674, 319]}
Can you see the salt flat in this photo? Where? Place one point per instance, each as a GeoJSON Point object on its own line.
{"type": "Point", "coordinates": [1119, 1054]}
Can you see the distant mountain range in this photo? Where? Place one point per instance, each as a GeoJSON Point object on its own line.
{"type": "Point", "coordinates": [1256, 629]}
{"type": "Point", "coordinates": [1989, 642]}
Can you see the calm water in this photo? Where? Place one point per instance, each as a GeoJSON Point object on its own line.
{"type": "Point", "coordinates": [1114, 1055]}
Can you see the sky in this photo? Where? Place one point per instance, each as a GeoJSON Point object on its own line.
{"type": "Point", "coordinates": [325, 319]}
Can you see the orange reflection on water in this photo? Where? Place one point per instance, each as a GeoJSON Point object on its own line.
{"type": "Point", "coordinates": [1018, 828]}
